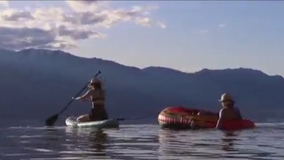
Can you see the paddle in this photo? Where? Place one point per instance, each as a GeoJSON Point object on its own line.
{"type": "Point", "coordinates": [51, 120]}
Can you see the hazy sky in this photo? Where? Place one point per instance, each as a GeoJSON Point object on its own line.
{"type": "Point", "coordinates": [183, 35]}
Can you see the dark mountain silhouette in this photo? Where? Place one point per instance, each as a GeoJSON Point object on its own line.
{"type": "Point", "coordinates": [38, 83]}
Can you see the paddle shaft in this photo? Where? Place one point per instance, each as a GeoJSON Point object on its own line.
{"type": "Point", "coordinates": [72, 100]}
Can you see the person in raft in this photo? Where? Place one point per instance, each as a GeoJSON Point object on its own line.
{"type": "Point", "coordinates": [96, 95]}
{"type": "Point", "coordinates": [228, 113]}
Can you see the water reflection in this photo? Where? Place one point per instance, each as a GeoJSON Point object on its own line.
{"type": "Point", "coordinates": [52, 135]}
{"type": "Point", "coordinates": [98, 140]}
{"type": "Point", "coordinates": [170, 144]}
{"type": "Point", "coordinates": [197, 144]}
{"type": "Point", "coordinates": [91, 141]}
{"type": "Point", "coordinates": [140, 142]}
{"type": "Point", "coordinates": [228, 141]}
{"type": "Point", "coordinates": [213, 144]}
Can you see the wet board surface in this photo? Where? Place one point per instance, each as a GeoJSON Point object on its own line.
{"type": "Point", "coordinates": [109, 123]}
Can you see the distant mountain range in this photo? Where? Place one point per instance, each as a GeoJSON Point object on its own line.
{"type": "Point", "coordinates": [38, 83]}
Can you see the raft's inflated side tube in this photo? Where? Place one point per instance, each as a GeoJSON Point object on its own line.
{"type": "Point", "coordinates": [180, 118]}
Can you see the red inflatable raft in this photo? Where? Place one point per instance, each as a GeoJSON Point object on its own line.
{"type": "Point", "coordinates": [180, 118]}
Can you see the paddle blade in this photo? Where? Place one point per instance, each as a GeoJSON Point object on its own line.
{"type": "Point", "coordinates": [51, 120]}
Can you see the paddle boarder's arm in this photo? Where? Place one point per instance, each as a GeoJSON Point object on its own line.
{"type": "Point", "coordinates": [221, 119]}
{"type": "Point", "coordinates": [86, 96]}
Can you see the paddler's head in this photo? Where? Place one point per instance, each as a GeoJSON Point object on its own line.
{"type": "Point", "coordinates": [227, 100]}
{"type": "Point", "coordinates": [95, 84]}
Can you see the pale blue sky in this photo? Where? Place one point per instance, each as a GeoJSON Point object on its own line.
{"type": "Point", "coordinates": [213, 35]}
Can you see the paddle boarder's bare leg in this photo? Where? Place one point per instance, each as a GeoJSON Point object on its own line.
{"type": "Point", "coordinates": [83, 118]}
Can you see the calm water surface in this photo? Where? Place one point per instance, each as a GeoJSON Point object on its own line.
{"type": "Point", "coordinates": [141, 142]}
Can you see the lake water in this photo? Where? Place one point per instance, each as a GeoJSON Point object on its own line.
{"type": "Point", "coordinates": [141, 142]}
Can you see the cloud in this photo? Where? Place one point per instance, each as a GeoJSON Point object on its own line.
{"type": "Point", "coordinates": [222, 25]}
{"type": "Point", "coordinates": [12, 15]}
{"type": "Point", "coordinates": [84, 5]}
{"type": "Point", "coordinates": [145, 21]}
{"type": "Point", "coordinates": [162, 25]}
{"type": "Point", "coordinates": [61, 28]}
{"type": "Point", "coordinates": [22, 37]}
{"type": "Point", "coordinates": [204, 31]}
{"type": "Point", "coordinates": [4, 3]}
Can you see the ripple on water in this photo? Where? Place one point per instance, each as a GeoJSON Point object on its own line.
{"type": "Point", "coordinates": [140, 142]}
